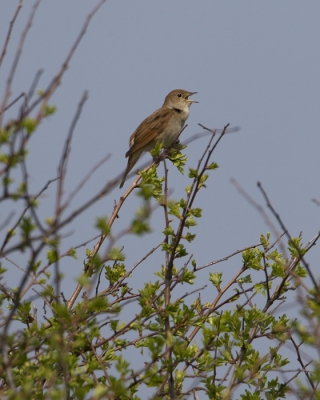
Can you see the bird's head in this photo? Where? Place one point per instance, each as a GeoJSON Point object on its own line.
{"type": "Point", "coordinates": [179, 99]}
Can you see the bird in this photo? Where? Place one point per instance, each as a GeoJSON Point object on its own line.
{"type": "Point", "coordinates": [164, 125]}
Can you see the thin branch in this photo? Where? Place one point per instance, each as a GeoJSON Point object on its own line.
{"type": "Point", "coordinates": [195, 187]}
{"type": "Point", "coordinates": [208, 132]}
{"type": "Point", "coordinates": [7, 220]}
{"type": "Point", "coordinates": [6, 42]}
{"type": "Point", "coordinates": [227, 257]}
{"type": "Point", "coordinates": [260, 209]}
{"type": "Point", "coordinates": [23, 94]}
{"type": "Point", "coordinates": [16, 59]}
{"type": "Point", "coordinates": [85, 180]}
{"type": "Point", "coordinates": [9, 234]}
{"type": "Point", "coordinates": [317, 202]}
{"type": "Point", "coordinates": [297, 348]}
{"type": "Point", "coordinates": [56, 81]}
{"type": "Point", "coordinates": [62, 170]}
{"type": "Point", "coordinates": [278, 218]}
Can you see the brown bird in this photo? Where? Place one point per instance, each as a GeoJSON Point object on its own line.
{"type": "Point", "coordinates": [165, 125]}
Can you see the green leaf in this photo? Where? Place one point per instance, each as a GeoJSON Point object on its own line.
{"type": "Point", "coordinates": [52, 256]}
{"type": "Point", "coordinates": [26, 226]}
{"type": "Point", "coordinates": [193, 173]}
{"type": "Point", "coordinates": [114, 273]}
{"type": "Point", "coordinates": [215, 278]}
{"type": "Point", "coordinates": [30, 125]}
{"type": "Point", "coordinates": [197, 212]}
{"type": "Point", "coordinates": [49, 110]}
{"type": "Point", "coordinates": [157, 149]}
{"type": "Point", "coordinates": [115, 254]}
{"type": "Point", "coordinates": [102, 223]}
{"type": "Point", "coordinates": [139, 227]}
{"type": "Point", "coordinates": [264, 241]}
{"type": "Point", "coordinates": [202, 180]}
{"type": "Point", "coordinates": [178, 159]}
{"type": "Point", "coordinates": [24, 312]}
{"type": "Point", "coordinates": [174, 208]}
{"type": "Point", "coordinates": [183, 204]}
{"type": "Point", "coordinates": [169, 231]}
{"type": "Point", "coordinates": [278, 270]}
{"type": "Point", "coordinates": [150, 177]}
{"type": "Point", "coordinates": [190, 221]}
{"type": "Point", "coordinates": [181, 251]}
{"type": "Point", "coordinates": [188, 276]}
{"type": "Point", "coordinates": [189, 237]}
{"type": "Point", "coordinates": [245, 279]}
{"type": "Point", "coordinates": [301, 271]}
{"type": "Point", "coordinates": [295, 247]}
{"type": "Point", "coordinates": [252, 259]}
{"type": "Point", "coordinates": [97, 304]}
{"type": "Point", "coordinates": [213, 165]}
{"type": "Point", "coordinates": [140, 224]}
{"type": "Point", "coordinates": [72, 252]}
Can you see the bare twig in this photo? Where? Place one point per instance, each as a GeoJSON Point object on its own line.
{"type": "Point", "coordinates": [260, 209]}
{"type": "Point", "coordinates": [227, 257]}
{"type": "Point", "coordinates": [317, 202]}
{"type": "Point", "coordinates": [7, 220]}
{"type": "Point", "coordinates": [299, 358]}
{"type": "Point", "coordinates": [208, 132]}
{"type": "Point", "coordinates": [6, 42]}
{"type": "Point", "coordinates": [8, 236]}
{"type": "Point", "coordinates": [62, 170]}
{"type": "Point", "coordinates": [85, 180]}
{"type": "Point", "coordinates": [56, 81]}
{"type": "Point", "coordinates": [16, 60]}
{"type": "Point", "coordinates": [23, 94]}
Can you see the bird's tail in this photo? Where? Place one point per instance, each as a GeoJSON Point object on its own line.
{"type": "Point", "coordinates": [133, 158]}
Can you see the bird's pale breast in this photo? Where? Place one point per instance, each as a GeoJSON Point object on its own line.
{"type": "Point", "coordinates": [172, 129]}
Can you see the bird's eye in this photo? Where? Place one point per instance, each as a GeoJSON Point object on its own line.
{"type": "Point", "coordinates": [179, 94]}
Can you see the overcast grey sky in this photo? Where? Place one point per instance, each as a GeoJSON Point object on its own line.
{"type": "Point", "coordinates": [255, 65]}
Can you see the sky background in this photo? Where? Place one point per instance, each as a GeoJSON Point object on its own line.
{"type": "Point", "coordinates": [254, 65]}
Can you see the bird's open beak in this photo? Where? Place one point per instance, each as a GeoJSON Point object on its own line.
{"type": "Point", "coordinates": [190, 100]}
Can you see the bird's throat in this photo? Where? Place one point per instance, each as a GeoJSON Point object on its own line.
{"type": "Point", "coordinates": [177, 110]}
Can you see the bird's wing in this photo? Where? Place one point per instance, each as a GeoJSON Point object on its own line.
{"type": "Point", "coordinates": [149, 129]}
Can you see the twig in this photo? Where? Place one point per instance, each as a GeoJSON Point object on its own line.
{"type": "Point", "coordinates": [16, 60]}
{"type": "Point", "coordinates": [6, 42]}
{"type": "Point", "coordinates": [260, 209]}
{"type": "Point", "coordinates": [190, 199]}
{"type": "Point", "coordinates": [317, 202]}
{"type": "Point", "coordinates": [278, 218]}
{"type": "Point", "coordinates": [23, 94]}
{"type": "Point", "coordinates": [7, 220]}
{"type": "Point", "coordinates": [62, 170]}
{"type": "Point", "coordinates": [56, 81]}
{"type": "Point", "coordinates": [227, 257]}
{"type": "Point", "coordinates": [85, 180]}
{"type": "Point", "coordinates": [8, 236]}
{"type": "Point", "coordinates": [208, 132]}
{"type": "Point", "coordinates": [297, 348]}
